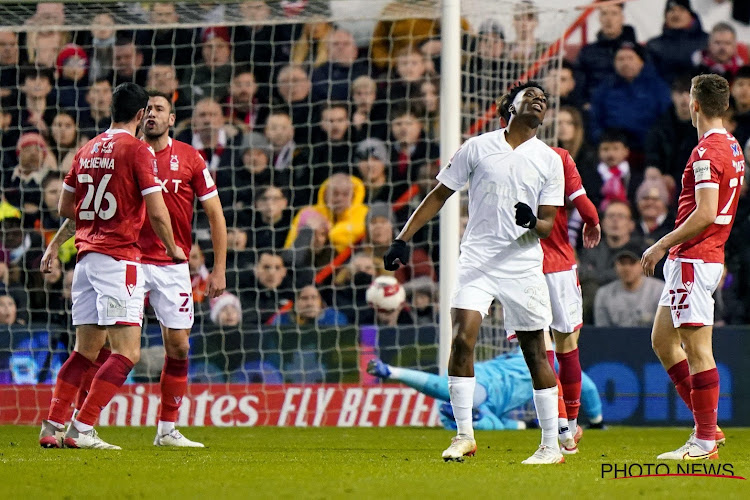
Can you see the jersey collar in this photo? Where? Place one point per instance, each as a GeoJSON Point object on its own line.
{"type": "Point", "coordinates": [715, 131]}
{"type": "Point", "coordinates": [113, 131]}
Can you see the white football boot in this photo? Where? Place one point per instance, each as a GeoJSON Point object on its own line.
{"type": "Point", "coordinates": [460, 447]}
{"type": "Point", "coordinates": [176, 439]}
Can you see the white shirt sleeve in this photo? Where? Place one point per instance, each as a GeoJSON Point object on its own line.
{"type": "Point", "coordinates": [553, 190]}
{"type": "Point", "coordinates": [456, 174]}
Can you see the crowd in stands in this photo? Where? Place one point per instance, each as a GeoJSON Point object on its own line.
{"type": "Point", "coordinates": [321, 148]}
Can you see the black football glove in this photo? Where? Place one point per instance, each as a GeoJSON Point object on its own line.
{"type": "Point", "coordinates": [398, 251]}
{"type": "Point", "coordinates": [524, 216]}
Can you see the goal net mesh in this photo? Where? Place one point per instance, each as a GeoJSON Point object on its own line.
{"type": "Point", "coordinates": [319, 122]}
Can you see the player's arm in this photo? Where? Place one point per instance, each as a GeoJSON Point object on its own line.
{"type": "Point", "coordinates": [66, 207]}
{"type": "Point", "coordinates": [158, 215]}
{"type": "Point", "coordinates": [545, 220]}
{"type": "Point", "coordinates": [217, 280]}
{"type": "Point", "coordinates": [592, 231]}
{"type": "Point", "coordinates": [707, 205]}
{"type": "Point", "coordinates": [67, 230]}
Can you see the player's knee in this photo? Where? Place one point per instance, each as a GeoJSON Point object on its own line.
{"type": "Point", "coordinates": [462, 344]}
{"type": "Point", "coordinates": [177, 350]}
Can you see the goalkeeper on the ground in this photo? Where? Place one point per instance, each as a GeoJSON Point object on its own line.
{"type": "Point", "coordinates": [503, 385]}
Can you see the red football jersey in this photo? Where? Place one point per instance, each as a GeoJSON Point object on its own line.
{"type": "Point", "coordinates": [183, 176]}
{"type": "Point", "coordinates": [716, 163]}
{"type": "Point", "coordinates": [110, 176]}
{"type": "Point", "coordinates": [558, 253]}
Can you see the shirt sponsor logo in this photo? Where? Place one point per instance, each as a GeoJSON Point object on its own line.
{"type": "Point", "coordinates": [116, 308]}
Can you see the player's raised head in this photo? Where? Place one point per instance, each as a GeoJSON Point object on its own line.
{"type": "Point", "coordinates": [527, 100]}
{"type": "Point", "coordinates": [159, 115]}
{"type": "Point", "coordinates": [128, 100]}
{"type": "Point", "coordinates": [709, 96]}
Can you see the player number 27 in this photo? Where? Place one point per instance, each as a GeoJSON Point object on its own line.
{"type": "Point", "coordinates": [97, 195]}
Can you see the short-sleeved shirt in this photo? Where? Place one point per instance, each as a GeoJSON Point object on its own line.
{"type": "Point", "coordinates": [499, 177]}
{"type": "Point", "coordinates": [716, 163]}
{"type": "Point", "coordinates": [558, 253]}
{"type": "Point", "coordinates": [183, 176]}
{"type": "Point", "coordinates": [110, 176]}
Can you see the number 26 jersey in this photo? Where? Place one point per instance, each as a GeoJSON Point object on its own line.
{"type": "Point", "coordinates": [110, 176]}
{"type": "Point", "coordinates": [716, 163]}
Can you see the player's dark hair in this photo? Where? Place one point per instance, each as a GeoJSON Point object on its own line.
{"type": "Point", "coordinates": [712, 94]}
{"type": "Point", "coordinates": [156, 93]}
{"type": "Point", "coordinates": [614, 135]}
{"type": "Point", "coordinates": [127, 99]}
{"type": "Point", "coordinates": [503, 104]}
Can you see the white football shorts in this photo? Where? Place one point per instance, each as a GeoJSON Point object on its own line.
{"type": "Point", "coordinates": [107, 291]}
{"type": "Point", "coordinates": [688, 291]}
{"type": "Point", "coordinates": [170, 293]}
{"type": "Point", "coordinates": [566, 300]}
{"type": "Point", "coordinates": [525, 300]}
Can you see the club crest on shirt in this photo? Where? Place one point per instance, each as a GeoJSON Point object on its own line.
{"type": "Point", "coordinates": [174, 163]}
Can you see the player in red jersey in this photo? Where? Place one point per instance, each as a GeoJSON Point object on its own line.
{"type": "Point", "coordinates": [559, 267]}
{"type": "Point", "coordinates": [683, 326]}
{"type": "Point", "coordinates": [184, 176]}
{"type": "Point", "coordinates": [107, 193]}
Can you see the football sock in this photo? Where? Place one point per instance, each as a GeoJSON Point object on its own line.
{"type": "Point", "coordinates": [432, 385]}
{"type": "Point", "coordinates": [173, 387]}
{"type": "Point", "coordinates": [66, 386]}
{"type": "Point", "coordinates": [107, 381]}
{"type": "Point", "coordinates": [83, 390]}
{"type": "Point", "coordinates": [545, 401]}
{"type": "Point", "coordinates": [563, 428]}
{"type": "Point", "coordinates": [705, 398]}
{"type": "Point", "coordinates": [570, 380]}
{"type": "Point", "coordinates": [680, 375]}
{"type": "Point", "coordinates": [462, 398]}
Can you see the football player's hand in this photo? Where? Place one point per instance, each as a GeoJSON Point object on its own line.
{"type": "Point", "coordinates": [398, 252]}
{"type": "Point", "coordinates": [177, 255]}
{"type": "Point", "coordinates": [651, 257]}
{"type": "Point", "coordinates": [525, 216]}
{"type": "Point", "coordinates": [217, 283]}
{"type": "Point", "coordinates": [50, 254]}
{"type": "Point", "coordinates": [591, 235]}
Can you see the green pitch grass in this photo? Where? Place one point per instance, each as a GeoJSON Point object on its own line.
{"type": "Point", "coordinates": [353, 463]}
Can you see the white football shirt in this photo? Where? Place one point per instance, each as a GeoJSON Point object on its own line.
{"type": "Point", "coordinates": [499, 177]}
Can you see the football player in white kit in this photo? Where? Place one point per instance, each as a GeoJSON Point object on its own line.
{"type": "Point", "coordinates": [516, 183]}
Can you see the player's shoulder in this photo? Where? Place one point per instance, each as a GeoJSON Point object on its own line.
{"type": "Point", "coordinates": [717, 143]}
{"type": "Point", "coordinates": [547, 154]}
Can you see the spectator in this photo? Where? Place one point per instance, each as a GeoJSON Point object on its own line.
{"type": "Point", "coordinates": [293, 87]}
{"type": "Point", "coordinates": [198, 273]}
{"type": "Point", "coordinates": [260, 43]}
{"type": "Point", "coordinates": [311, 250]}
{"type": "Point", "coordinates": [42, 45]}
{"type": "Point", "coordinates": [741, 96]}
{"type": "Point", "coordinates": [526, 48]}
{"type": "Point", "coordinates": [633, 100]}
{"type": "Point", "coordinates": [226, 310]}
{"type": "Point", "coordinates": [424, 303]}
{"type": "Point", "coordinates": [9, 63]}
{"type": "Point", "coordinates": [102, 49]}
{"type": "Point", "coordinates": [8, 137]}
{"type": "Point", "coordinates": [351, 284]}
{"type": "Point", "coordinates": [595, 60]}
{"type": "Point", "coordinates": [163, 77]}
{"type": "Point", "coordinates": [340, 203]}
{"type": "Point", "coordinates": [672, 138]}
{"type": "Point", "coordinates": [721, 56]}
{"type": "Point", "coordinates": [488, 70]}
{"type": "Point", "coordinates": [243, 108]}
{"type": "Point", "coordinates": [127, 63]}
{"type": "Point", "coordinates": [64, 140]}
{"type": "Point", "coordinates": [373, 165]}
{"type": "Point", "coordinates": [239, 255]}
{"type": "Point", "coordinates": [560, 83]}
{"type": "Point", "coordinates": [632, 300]}
{"type": "Point", "coordinates": [263, 290]}
{"type": "Point", "coordinates": [614, 179]}
{"type": "Point", "coordinates": [211, 78]}
{"type": "Point", "coordinates": [655, 220]}
{"type": "Point", "coordinates": [72, 68]}
{"type": "Point", "coordinates": [596, 265]}
{"type": "Point", "coordinates": [683, 35]}
{"type": "Point", "coordinates": [210, 138]}
{"type": "Point", "coordinates": [410, 70]}
{"type": "Point", "coordinates": [8, 310]}
{"type": "Point", "coordinates": [36, 111]}
{"type": "Point", "coordinates": [331, 79]}
{"type": "Point", "coordinates": [98, 117]}
{"type": "Point", "coordinates": [46, 299]}
{"type": "Point", "coordinates": [19, 249]}
{"type": "Point", "coordinates": [166, 46]}
{"type": "Point", "coordinates": [571, 136]}
{"type": "Point", "coordinates": [50, 219]}
{"type": "Point", "coordinates": [369, 117]}
{"type": "Point", "coordinates": [311, 48]}
{"type": "Point", "coordinates": [271, 221]}
{"type": "Point", "coordinates": [310, 310]}
{"type": "Point", "coordinates": [280, 133]}
{"type": "Point", "coordinates": [428, 91]}
{"type": "Point", "coordinates": [387, 299]}
{"type": "Point", "coordinates": [23, 188]}
{"type": "Point", "coordinates": [331, 155]}
{"type": "Point", "coordinates": [409, 148]}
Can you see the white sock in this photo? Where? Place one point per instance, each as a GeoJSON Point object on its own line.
{"type": "Point", "coordinates": [164, 428]}
{"type": "Point", "coordinates": [81, 427]}
{"type": "Point", "coordinates": [573, 425]}
{"type": "Point", "coordinates": [545, 401]}
{"type": "Point", "coordinates": [705, 444]}
{"type": "Point", "coordinates": [57, 424]}
{"type": "Point", "coordinates": [563, 429]}
{"type": "Point", "coordinates": [462, 397]}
